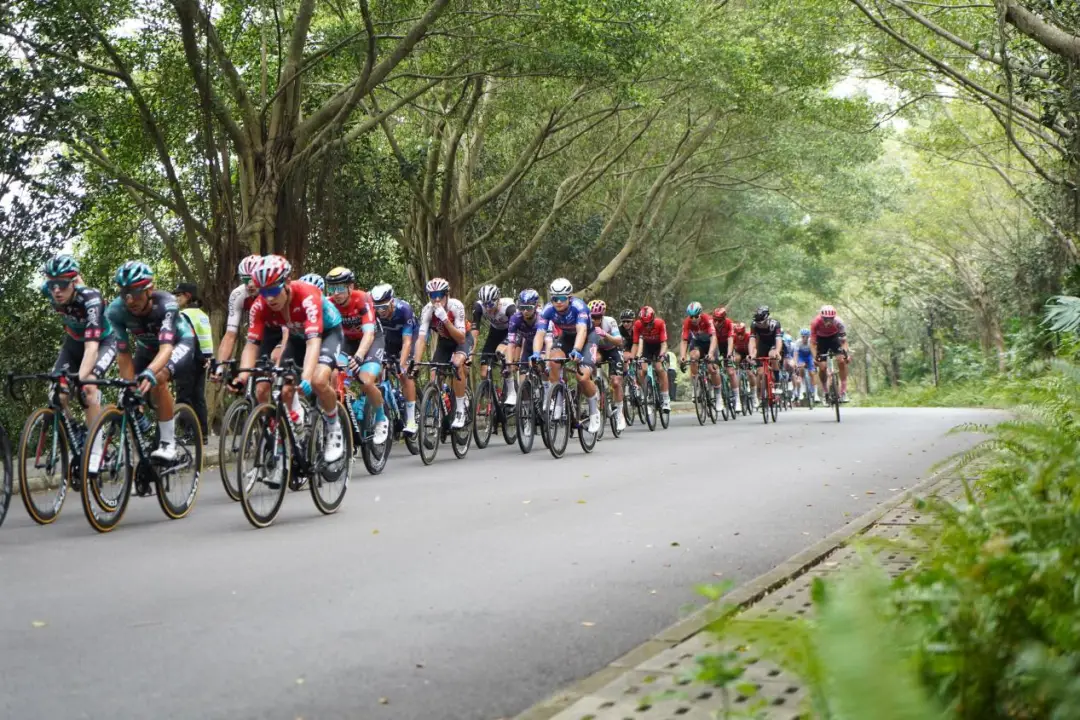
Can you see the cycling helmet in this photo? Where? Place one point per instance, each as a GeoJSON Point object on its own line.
{"type": "Point", "coordinates": [693, 309]}
{"type": "Point", "coordinates": [597, 307]}
{"type": "Point", "coordinates": [739, 327]}
{"type": "Point", "coordinates": [626, 315]}
{"type": "Point", "coordinates": [762, 314]}
{"type": "Point", "coordinates": [647, 314]}
{"type": "Point", "coordinates": [313, 279]}
{"type": "Point", "coordinates": [488, 294]}
{"type": "Point", "coordinates": [340, 276]}
{"type": "Point", "coordinates": [787, 337]}
{"type": "Point", "coordinates": [719, 313]}
{"type": "Point", "coordinates": [382, 293]}
{"type": "Point", "coordinates": [271, 270]}
{"type": "Point", "coordinates": [247, 265]}
{"type": "Point", "coordinates": [134, 274]}
{"type": "Point", "coordinates": [560, 286]}
{"type": "Point", "coordinates": [805, 332]}
{"type": "Point", "coordinates": [437, 284]}
{"type": "Point", "coordinates": [60, 266]}
{"type": "Point", "coordinates": [828, 311]}
{"type": "Point", "coordinates": [528, 296]}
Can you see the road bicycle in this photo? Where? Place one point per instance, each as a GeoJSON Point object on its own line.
{"type": "Point", "coordinates": [645, 397]}
{"type": "Point", "coordinates": [746, 388]}
{"type": "Point", "coordinates": [832, 382]}
{"type": "Point", "coordinates": [566, 412]}
{"type": "Point", "coordinates": [727, 394]}
{"type": "Point", "coordinates": [769, 404]}
{"type": "Point", "coordinates": [530, 408]}
{"type": "Point", "coordinates": [232, 425]}
{"type": "Point", "coordinates": [633, 396]}
{"type": "Point", "coordinates": [275, 449]}
{"type": "Point", "coordinates": [808, 389]}
{"type": "Point", "coordinates": [608, 406]}
{"type": "Point", "coordinates": [703, 395]}
{"type": "Point", "coordinates": [489, 411]}
{"type": "Point", "coordinates": [362, 423]}
{"type": "Point", "coordinates": [436, 410]}
{"type": "Point", "coordinates": [127, 439]}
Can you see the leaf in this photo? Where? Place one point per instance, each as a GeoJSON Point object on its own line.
{"type": "Point", "coordinates": [38, 623]}
{"type": "Point", "coordinates": [586, 623]}
{"type": "Point", "coordinates": [384, 701]}
{"type": "Point", "coordinates": [580, 502]}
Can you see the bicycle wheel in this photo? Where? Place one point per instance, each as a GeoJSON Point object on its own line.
{"type": "Point", "coordinates": [581, 409]}
{"type": "Point", "coordinates": [612, 413]}
{"type": "Point", "coordinates": [462, 438]}
{"type": "Point", "coordinates": [330, 480]}
{"type": "Point", "coordinates": [43, 466]}
{"type": "Point", "coordinates": [106, 489]}
{"type": "Point", "coordinates": [699, 400]}
{"type": "Point", "coordinates": [557, 413]}
{"type": "Point", "coordinates": [650, 402]}
{"type": "Point", "coordinates": [483, 414]}
{"type": "Point", "coordinates": [525, 418]}
{"type": "Point", "coordinates": [710, 402]}
{"type": "Point", "coordinates": [264, 465]}
{"type": "Point", "coordinates": [6, 482]}
{"type": "Point", "coordinates": [763, 398]}
{"type": "Point", "coordinates": [774, 409]}
{"type": "Point", "coordinates": [834, 390]}
{"type": "Point", "coordinates": [628, 408]}
{"type": "Point", "coordinates": [665, 415]}
{"type": "Point", "coordinates": [231, 427]}
{"type": "Point", "coordinates": [808, 390]}
{"type": "Point", "coordinates": [374, 456]}
{"type": "Point", "coordinates": [178, 482]}
{"type": "Point", "coordinates": [429, 430]}
{"type": "Point", "coordinates": [601, 389]}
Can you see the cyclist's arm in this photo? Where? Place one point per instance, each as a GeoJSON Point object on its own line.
{"type": "Point", "coordinates": [714, 344]}
{"type": "Point", "coordinates": [682, 350]}
{"type": "Point", "coordinates": [582, 336]}
{"type": "Point", "coordinates": [458, 334]}
{"type": "Point", "coordinates": [226, 346]}
{"type": "Point", "coordinates": [161, 359]}
{"type": "Point", "coordinates": [125, 365]}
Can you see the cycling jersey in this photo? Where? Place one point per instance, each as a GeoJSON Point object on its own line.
{"type": "Point", "coordinates": [742, 341]}
{"type": "Point", "coordinates": [766, 335]}
{"type": "Point", "coordinates": [607, 334]}
{"type": "Point", "coordinates": [162, 325]}
{"type": "Point", "coordinates": [787, 349]}
{"type": "Point", "coordinates": [400, 324]}
{"type": "Point", "coordinates": [520, 331]}
{"type": "Point", "coordinates": [358, 316]}
{"type": "Point", "coordinates": [455, 315]}
{"type": "Point", "coordinates": [239, 306]}
{"type": "Point", "coordinates": [498, 317]}
{"type": "Point", "coordinates": [576, 315]}
{"type": "Point", "coordinates": [654, 333]}
{"type": "Point", "coordinates": [700, 327]}
{"type": "Point", "coordinates": [627, 337]}
{"type": "Point", "coordinates": [724, 330]}
{"type": "Point", "coordinates": [819, 329]}
{"type": "Point", "coordinates": [83, 317]}
{"type": "Point", "coordinates": [307, 315]}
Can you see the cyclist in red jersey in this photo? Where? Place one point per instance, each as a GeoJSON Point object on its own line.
{"type": "Point", "coordinates": [828, 334]}
{"type": "Point", "coordinates": [698, 325]}
{"type": "Point", "coordinates": [740, 341]}
{"type": "Point", "coordinates": [650, 344]}
{"type": "Point", "coordinates": [725, 340]}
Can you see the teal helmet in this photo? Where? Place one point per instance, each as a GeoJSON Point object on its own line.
{"type": "Point", "coordinates": [59, 266]}
{"type": "Point", "coordinates": [693, 309]}
{"type": "Point", "coordinates": [133, 274]}
{"type": "Point", "coordinates": [787, 337]}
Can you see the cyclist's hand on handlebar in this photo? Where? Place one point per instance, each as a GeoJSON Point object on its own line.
{"type": "Point", "coordinates": [535, 357]}
{"type": "Point", "coordinates": [576, 355]}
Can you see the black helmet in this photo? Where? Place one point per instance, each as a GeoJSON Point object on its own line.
{"type": "Point", "coordinates": [627, 315]}
{"type": "Point", "coordinates": [762, 314]}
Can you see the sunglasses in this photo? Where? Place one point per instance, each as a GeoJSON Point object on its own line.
{"type": "Point", "coordinates": [134, 293]}
{"type": "Point", "coordinates": [490, 305]}
{"type": "Point", "coordinates": [437, 295]}
{"type": "Point", "coordinates": [384, 306]}
{"type": "Point", "coordinates": [245, 279]}
{"type": "Point", "coordinates": [560, 298]}
{"type": "Point", "coordinates": [272, 291]}
{"type": "Point", "coordinates": [62, 284]}
{"type": "Point", "coordinates": [526, 308]}
{"type": "Point", "coordinates": [335, 289]}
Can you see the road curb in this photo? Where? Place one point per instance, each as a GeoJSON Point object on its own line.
{"type": "Point", "coordinates": [742, 597]}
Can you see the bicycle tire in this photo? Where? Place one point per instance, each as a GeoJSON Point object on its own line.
{"type": "Point", "coordinates": [256, 433]}
{"type": "Point", "coordinates": [104, 515]}
{"type": "Point", "coordinates": [628, 408]}
{"type": "Point", "coordinates": [484, 406]}
{"type": "Point", "coordinates": [699, 400]}
{"type": "Point", "coordinates": [557, 441]}
{"type": "Point", "coordinates": [710, 403]}
{"type": "Point", "coordinates": [461, 439]}
{"type": "Point", "coordinates": [650, 403]}
{"type": "Point", "coordinates": [581, 410]}
{"type": "Point", "coordinates": [373, 456]}
{"type": "Point", "coordinates": [508, 419]}
{"type": "Point", "coordinates": [836, 396]}
{"type": "Point", "coordinates": [612, 412]}
{"type": "Point", "coordinates": [6, 472]}
{"type": "Point", "coordinates": [526, 422]}
{"type": "Point", "coordinates": [184, 419]}
{"type": "Point", "coordinates": [429, 426]}
{"type": "Point", "coordinates": [338, 478]}
{"type": "Point", "coordinates": [601, 403]}
{"type": "Point", "coordinates": [765, 396]}
{"type": "Point", "coordinates": [665, 415]}
{"type": "Point", "coordinates": [49, 514]}
{"type": "Point", "coordinates": [774, 411]}
{"type": "Point", "coordinates": [231, 427]}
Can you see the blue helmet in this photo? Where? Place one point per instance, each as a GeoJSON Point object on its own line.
{"type": "Point", "coordinates": [528, 296]}
{"type": "Point", "coordinates": [787, 337]}
{"type": "Point", "coordinates": [693, 309]}
{"type": "Point", "coordinates": [133, 274]}
{"type": "Point", "coordinates": [313, 279]}
{"type": "Point", "coordinates": [59, 266]}
{"type": "Point", "coordinates": [805, 332]}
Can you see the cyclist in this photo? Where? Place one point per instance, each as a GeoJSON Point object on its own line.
{"type": "Point", "coordinates": [788, 355]}
{"type": "Point", "coordinates": [520, 333]}
{"type": "Point", "coordinates": [446, 317]}
{"type": "Point", "coordinates": [89, 347]}
{"type": "Point", "coordinates": [766, 341]}
{"type": "Point", "coordinates": [805, 359]}
{"type": "Point", "coordinates": [650, 341]}
{"type": "Point", "coordinates": [608, 343]}
{"type": "Point", "coordinates": [576, 341]}
{"type": "Point", "coordinates": [828, 334]}
{"type": "Point", "coordinates": [497, 311]}
{"type": "Point", "coordinates": [699, 336]}
{"type": "Point", "coordinates": [626, 329]}
{"type": "Point", "coordinates": [364, 343]}
{"type": "Point", "coordinates": [240, 301]}
{"type": "Point", "coordinates": [313, 336]}
{"type": "Point", "coordinates": [399, 327]}
{"type": "Point", "coordinates": [725, 341]}
{"type": "Point", "coordinates": [740, 345]}
{"type": "Point", "coordinates": [316, 280]}
{"type": "Point", "coordinates": [164, 344]}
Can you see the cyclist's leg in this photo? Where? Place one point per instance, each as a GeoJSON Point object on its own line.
{"type": "Point", "coordinates": [68, 361]}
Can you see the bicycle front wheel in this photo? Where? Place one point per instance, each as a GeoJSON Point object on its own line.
{"type": "Point", "coordinates": [264, 465]}
{"type": "Point", "coordinates": [483, 414]}
{"type": "Point", "coordinates": [699, 400]}
{"type": "Point", "coordinates": [6, 481]}
{"type": "Point", "coordinates": [526, 419]}
{"type": "Point", "coordinates": [178, 482]}
{"type": "Point", "coordinates": [429, 432]}
{"type": "Point", "coordinates": [231, 427]}
{"type": "Point", "coordinates": [461, 439]}
{"type": "Point", "coordinates": [107, 477]}
{"type": "Point", "coordinates": [581, 410]}
{"type": "Point", "coordinates": [651, 401]}
{"type": "Point", "coordinates": [508, 418]}
{"type": "Point", "coordinates": [330, 480]}
{"type": "Point", "coordinates": [43, 466]}
{"type": "Point", "coordinates": [558, 420]}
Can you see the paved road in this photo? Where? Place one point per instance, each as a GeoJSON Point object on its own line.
{"type": "Point", "coordinates": [469, 589]}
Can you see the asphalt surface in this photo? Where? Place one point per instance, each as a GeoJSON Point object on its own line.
{"type": "Point", "coordinates": [468, 589]}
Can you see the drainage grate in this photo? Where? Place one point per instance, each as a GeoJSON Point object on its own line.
{"type": "Point", "coordinates": [906, 516]}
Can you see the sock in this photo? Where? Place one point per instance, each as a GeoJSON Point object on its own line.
{"type": "Point", "coordinates": [168, 431]}
{"type": "Point", "coordinates": [410, 411]}
{"type": "Point", "coordinates": [460, 404]}
{"type": "Point", "coordinates": [843, 386]}
{"type": "Point", "coordinates": [296, 407]}
{"type": "Point", "coordinates": [379, 414]}
{"type": "Point", "coordinates": [331, 416]}
{"type": "Point", "coordinates": [664, 396]}
{"type": "Point", "coordinates": [593, 403]}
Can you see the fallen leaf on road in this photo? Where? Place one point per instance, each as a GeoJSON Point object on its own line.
{"type": "Point", "coordinates": [587, 624]}
{"type": "Point", "coordinates": [375, 532]}
{"type": "Point", "coordinates": [674, 544]}
{"type": "Point", "coordinates": [871, 492]}
{"type": "Point", "coordinates": [718, 574]}
{"type": "Point", "coordinates": [652, 592]}
{"type": "Point", "coordinates": [584, 476]}
{"type": "Point", "coordinates": [619, 514]}
{"type": "Point", "coordinates": [526, 502]}
{"type": "Point", "coordinates": [38, 623]}
{"type": "Point", "coordinates": [384, 701]}
{"type": "Point", "coordinates": [892, 489]}
{"type": "Point", "coordinates": [299, 681]}
{"type": "Point", "coordinates": [377, 498]}
{"type": "Point", "coordinates": [736, 533]}
{"type": "Point", "coordinates": [420, 665]}
{"type": "Point", "coordinates": [805, 533]}
{"type": "Point", "coordinates": [580, 502]}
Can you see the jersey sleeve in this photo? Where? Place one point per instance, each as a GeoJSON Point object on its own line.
{"type": "Point", "coordinates": [686, 329]}
{"type": "Point", "coordinates": [637, 331]}
{"type": "Point", "coordinates": [169, 329]}
{"type": "Point", "coordinates": [582, 312]}
{"type": "Point", "coordinates": [709, 326]}
{"type": "Point", "coordinates": [512, 328]}
{"type": "Point", "coordinates": [611, 327]}
{"type": "Point", "coordinates": [456, 308]}
{"type": "Point", "coordinates": [408, 319]}
{"type": "Point", "coordinates": [425, 320]}
{"type": "Point", "coordinates": [311, 303]}
{"type": "Point", "coordinates": [236, 308]}
{"type": "Point", "coordinates": [544, 318]}
{"type": "Point", "coordinates": [477, 315]}
{"type": "Point", "coordinates": [367, 313]}
{"type": "Point", "coordinates": [663, 330]}
{"type": "Point", "coordinates": [115, 314]}
{"type": "Point", "coordinates": [841, 329]}
{"type": "Point", "coordinates": [814, 325]}
{"type": "Point", "coordinates": [256, 321]}
{"type": "Point", "coordinates": [94, 308]}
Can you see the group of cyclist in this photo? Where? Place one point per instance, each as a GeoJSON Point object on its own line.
{"type": "Point", "coordinates": [333, 330]}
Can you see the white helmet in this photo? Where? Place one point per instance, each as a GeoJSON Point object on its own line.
{"type": "Point", "coordinates": [560, 286]}
{"type": "Point", "coordinates": [437, 284]}
{"type": "Point", "coordinates": [488, 294]}
{"type": "Point", "coordinates": [382, 293]}
{"type": "Point", "coordinates": [247, 265]}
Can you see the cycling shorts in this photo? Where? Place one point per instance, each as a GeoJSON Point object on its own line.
{"type": "Point", "coordinates": [72, 351]}
{"type": "Point", "coordinates": [651, 351]}
{"type": "Point", "coordinates": [181, 361]}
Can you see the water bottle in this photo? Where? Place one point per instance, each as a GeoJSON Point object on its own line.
{"type": "Point", "coordinates": [358, 408]}
{"type": "Point", "coordinates": [145, 426]}
{"type": "Point", "coordinates": [78, 432]}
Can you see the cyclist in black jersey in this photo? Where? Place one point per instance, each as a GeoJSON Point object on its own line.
{"type": "Point", "coordinates": [626, 329]}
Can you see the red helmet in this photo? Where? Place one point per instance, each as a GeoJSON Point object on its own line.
{"type": "Point", "coordinates": [646, 314]}
{"type": "Point", "coordinates": [719, 313]}
{"type": "Point", "coordinates": [271, 270]}
{"type": "Point", "coordinates": [739, 327]}
{"type": "Point", "coordinates": [828, 311]}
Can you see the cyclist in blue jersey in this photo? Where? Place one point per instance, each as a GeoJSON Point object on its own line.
{"type": "Point", "coordinates": [576, 341]}
{"type": "Point", "coordinates": [804, 358]}
{"type": "Point", "coordinates": [520, 333]}
{"type": "Point", "coordinates": [164, 344]}
{"type": "Point", "coordinates": [787, 352]}
{"type": "Point", "coordinates": [399, 327]}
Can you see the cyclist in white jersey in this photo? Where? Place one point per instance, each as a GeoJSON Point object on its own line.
{"type": "Point", "coordinates": [609, 349]}
{"type": "Point", "coordinates": [240, 301]}
{"type": "Point", "coordinates": [445, 316]}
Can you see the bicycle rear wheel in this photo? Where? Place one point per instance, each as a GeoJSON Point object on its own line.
{"type": "Point", "coordinates": [628, 408]}
{"type": "Point", "coordinates": [106, 489]}
{"type": "Point", "coordinates": [581, 412]}
{"type": "Point", "coordinates": [178, 483]}
{"type": "Point", "coordinates": [650, 402]}
{"type": "Point", "coordinates": [429, 431]}
{"type": "Point", "coordinates": [330, 480]}
{"type": "Point", "coordinates": [526, 419]}
{"type": "Point", "coordinates": [834, 390]}
{"type": "Point", "coordinates": [43, 466]}
{"type": "Point", "coordinates": [763, 399]}
{"type": "Point", "coordinates": [461, 439]}
{"type": "Point", "coordinates": [264, 466]}
{"type": "Point", "coordinates": [231, 428]}
{"type": "Point", "coordinates": [483, 414]}
{"type": "Point", "coordinates": [557, 413]}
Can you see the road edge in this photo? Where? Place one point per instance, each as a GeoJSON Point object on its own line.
{"type": "Point", "coordinates": [742, 596]}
